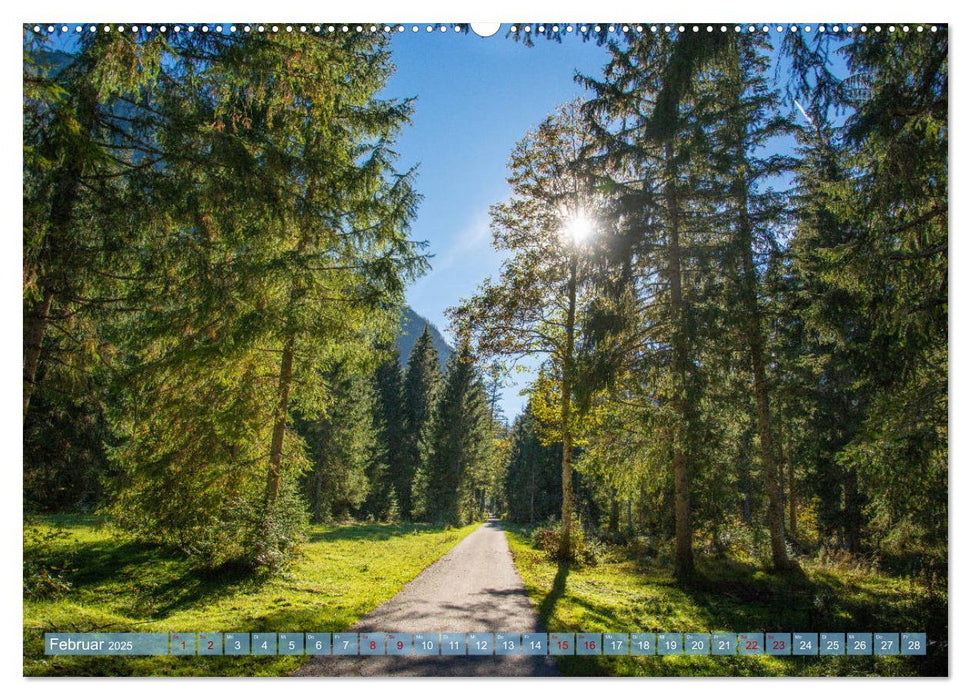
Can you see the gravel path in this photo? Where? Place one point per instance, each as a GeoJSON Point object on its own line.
{"type": "Point", "coordinates": [473, 588]}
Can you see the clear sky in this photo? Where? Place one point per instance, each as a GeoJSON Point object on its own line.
{"type": "Point", "coordinates": [476, 97]}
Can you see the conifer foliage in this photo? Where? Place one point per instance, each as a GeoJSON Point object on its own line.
{"type": "Point", "coordinates": [757, 359]}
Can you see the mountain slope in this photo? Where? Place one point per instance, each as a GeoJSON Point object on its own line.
{"type": "Point", "coordinates": [411, 327]}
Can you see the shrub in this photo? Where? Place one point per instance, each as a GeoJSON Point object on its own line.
{"type": "Point", "coordinates": [584, 550]}
{"type": "Point", "coordinates": [273, 536]}
{"type": "Point", "coordinates": [546, 540]}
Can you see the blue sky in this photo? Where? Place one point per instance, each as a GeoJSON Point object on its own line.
{"type": "Point", "coordinates": [476, 97]}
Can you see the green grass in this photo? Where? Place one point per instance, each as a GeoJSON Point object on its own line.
{"type": "Point", "coordinates": [122, 586]}
{"type": "Point", "coordinates": [621, 594]}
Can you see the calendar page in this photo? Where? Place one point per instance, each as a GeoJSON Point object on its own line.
{"type": "Point", "coordinates": [518, 349]}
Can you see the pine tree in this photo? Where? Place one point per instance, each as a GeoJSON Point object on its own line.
{"type": "Point", "coordinates": [422, 383]}
{"type": "Point", "coordinates": [283, 250]}
{"type": "Point", "coordinates": [459, 443]}
{"type": "Point", "coordinates": [346, 474]}
{"type": "Point", "coordinates": [390, 428]}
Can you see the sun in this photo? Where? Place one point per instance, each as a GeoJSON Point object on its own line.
{"type": "Point", "coordinates": [578, 227]}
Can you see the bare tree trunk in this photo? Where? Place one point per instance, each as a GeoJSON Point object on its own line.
{"type": "Point", "coordinates": [35, 328]}
{"type": "Point", "coordinates": [792, 498]}
{"type": "Point", "coordinates": [745, 480]}
{"type": "Point", "coordinates": [532, 492]}
{"type": "Point", "coordinates": [318, 494]}
{"type": "Point", "coordinates": [851, 511]}
{"type": "Point", "coordinates": [755, 341]}
{"type": "Point", "coordinates": [566, 410]}
{"type": "Point", "coordinates": [614, 521]}
{"type": "Point", "coordinates": [684, 556]}
{"type": "Point", "coordinates": [776, 519]}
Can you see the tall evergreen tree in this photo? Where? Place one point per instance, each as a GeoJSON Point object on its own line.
{"type": "Point", "coordinates": [391, 438]}
{"type": "Point", "coordinates": [873, 248]}
{"type": "Point", "coordinates": [746, 122]}
{"type": "Point", "coordinates": [285, 251]}
{"type": "Point", "coordinates": [422, 383]}
{"type": "Point", "coordinates": [85, 113]}
{"type": "Point", "coordinates": [459, 444]}
{"type": "Point", "coordinates": [346, 474]}
{"type": "Point", "coordinates": [647, 127]}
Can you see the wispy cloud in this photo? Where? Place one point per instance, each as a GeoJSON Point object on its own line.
{"type": "Point", "coordinates": [473, 239]}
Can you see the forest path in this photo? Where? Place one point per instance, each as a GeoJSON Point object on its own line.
{"type": "Point", "coordinates": [473, 588]}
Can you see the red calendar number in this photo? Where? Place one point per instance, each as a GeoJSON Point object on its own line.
{"type": "Point", "coordinates": [374, 645]}
{"type": "Point", "coordinates": [751, 644]}
{"type": "Point", "coordinates": [778, 644]}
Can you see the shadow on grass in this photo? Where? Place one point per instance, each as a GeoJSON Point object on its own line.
{"type": "Point", "coordinates": [198, 585]}
{"type": "Point", "coordinates": [343, 533]}
{"type": "Point", "coordinates": [737, 596]}
{"type": "Point", "coordinates": [548, 606]}
{"type": "Point", "coordinates": [154, 580]}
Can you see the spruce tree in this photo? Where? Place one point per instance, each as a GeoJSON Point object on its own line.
{"type": "Point", "coordinates": [390, 428]}
{"type": "Point", "coordinates": [283, 250]}
{"type": "Point", "coordinates": [872, 247]}
{"type": "Point", "coordinates": [646, 127]}
{"type": "Point", "coordinates": [747, 120]}
{"type": "Point", "coordinates": [422, 382]}
{"type": "Point", "coordinates": [346, 475]}
{"type": "Point", "coordinates": [459, 443]}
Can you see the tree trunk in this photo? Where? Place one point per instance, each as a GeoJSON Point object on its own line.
{"type": "Point", "coordinates": [745, 480]}
{"type": "Point", "coordinates": [852, 516]}
{"type": "Point", "coordinates": [755, 341]}
{"type": "Point", "coordinates": [684, 556]}
{"type": "Point", "coordinates": [566, 410]}
{"type": "Point", "coordinates": [792, 498]}
{"type": "Point", "coordinates": [280, 422]}
{"type": "Point", "coordinates": [776, 519]}
{"type": "Point", "coordinates": [318, 494]}
{"type": "Point", "coordinates": [35, 328]}
{"type": "Point", "coordinates": [532, 491]}
{"type": "Point", "coordinates": [61, 215]}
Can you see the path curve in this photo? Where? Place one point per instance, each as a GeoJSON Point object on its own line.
{"type": "Point", "coordinates": [473, 588]}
